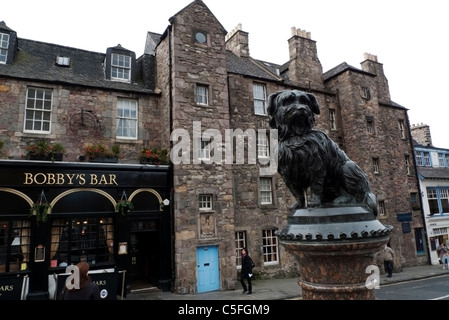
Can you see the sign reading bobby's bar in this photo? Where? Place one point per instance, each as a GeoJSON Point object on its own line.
{"type": "Point", "coordinates": [11, 288]}
{"type": "Point", "coordinates": [72, 175]}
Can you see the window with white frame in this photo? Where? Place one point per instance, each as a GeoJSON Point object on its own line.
{"type": "Point", "coordinates": [402, 129]}
{"type": "Point", "coordinates": [369, 125]}
{"type": "Point", "coordinates": [263, 148]}
{"type": "Point", "coordinates": [366, 93]}
{"type": "Point", "coordinates": [266, 196]}
{"type": "Point", "coordinates": [444, 200]}
{"type": "Point", "coordinates": [332, 120]}
{"type": "Point", "coordinates": [204, 151]}
{"type": "Point", "coordinates": [4, 45]}
{"type": "Point", "coordinates": [121, 67]}
{"type": "Point", "coordinates": [202, 94]}
{"type": "Point", "coordinates": [441, 159]}
{"type": "Point", "coordinates": [63, 61]}
{"type": "Point", "coordinates": [260, 99]}
{"type": "Point", "coordinates": [407, 164]}
{"type": "Point", "coordinates": [426, 156]}
{"type": "Point", "coordinates": [240, 243]}
{"type": "Point", "coordinates": [270, 247]}
{"type": "Point", "coordinates": [432, 199]}
{"type": "Point", "coordinates": [418, 157]}
{"type": "Point", "coordinates": [381, 208]}
{"type": "Point", "coordinates": [446, 157]}
{"type": "Point", "coordinates": [38, 110]}
{"type": "Point", "coordinates": [423, 158]}
{"type": "Point", "coordinates": [205, 202]}
{"type": "Point", "coordinates": [126, 119]}
{"type": "Point", "coordinates": [376, 168]}
{"type": "Point", "coordinates": [414, 201]}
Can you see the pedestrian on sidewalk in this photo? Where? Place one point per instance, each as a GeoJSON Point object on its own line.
{"type": "Point", "coordinates": [442, 251]}
{"type": "Point", "coordinates": [388, 260]}
{"type": "Point", "coordinates": [247, 272]}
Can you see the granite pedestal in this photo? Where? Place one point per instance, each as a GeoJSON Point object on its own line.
{"type": "Point", "coordinates": [335, 247]}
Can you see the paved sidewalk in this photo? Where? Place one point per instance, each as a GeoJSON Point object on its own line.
{"type": "Point", "coordinates": [279, 289]}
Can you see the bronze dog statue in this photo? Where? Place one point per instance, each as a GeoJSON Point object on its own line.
{"type": "Point", "coordinates": [309, 158]}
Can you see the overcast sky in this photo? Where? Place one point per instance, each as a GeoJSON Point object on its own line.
{"type": "Point", "coordinates": [409, 37]}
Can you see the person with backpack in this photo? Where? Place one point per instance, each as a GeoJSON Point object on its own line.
{"type": "Point", "coordinates": [247, 272]}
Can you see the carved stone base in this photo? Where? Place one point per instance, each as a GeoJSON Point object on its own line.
{"type": "Point", "coordinates": [335, 251]}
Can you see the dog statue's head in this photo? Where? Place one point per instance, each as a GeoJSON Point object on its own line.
{"type": "Point", "coordinates": [292, 112]}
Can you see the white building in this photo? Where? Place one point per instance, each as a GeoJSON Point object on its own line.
{"type": "Point", "coordinates": [433, 173]}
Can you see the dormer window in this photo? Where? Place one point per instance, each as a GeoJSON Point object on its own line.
{"type": "Point", "coordinates": [4, 45]}
{"type": "Point", "coordinates": [121, 67]}
{"type": "Point", "coordinates": [63, 61]}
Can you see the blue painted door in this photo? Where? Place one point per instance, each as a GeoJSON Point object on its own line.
{"type": "Point", "coordinates": [207, 269]}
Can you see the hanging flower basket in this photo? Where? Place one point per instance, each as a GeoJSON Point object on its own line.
{"type": "Point", "coordinates": [41, 209]}
{"type": "Point", "coordinates": [124, 207]}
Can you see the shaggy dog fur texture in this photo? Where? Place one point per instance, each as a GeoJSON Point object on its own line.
{"type": "Point", "coordinates": [308, 158]}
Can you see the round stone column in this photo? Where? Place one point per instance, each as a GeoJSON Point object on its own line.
{"type": "Point", "coordinates": [335, 247]}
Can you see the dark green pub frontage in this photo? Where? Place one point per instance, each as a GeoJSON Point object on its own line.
{"type": "Point", "coordinates": [54, 214]}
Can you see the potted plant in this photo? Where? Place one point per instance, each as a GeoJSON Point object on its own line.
{"type": "Point", "coordinates": [100, 153]}
{"type": "Point", "coordinates": [57, 150]}
{"type": "Point", "coordinates": [42, 150]}
{"type": "Point", "coordinates": [124, 207]}
{"type": "Point", "coordinates": [153, 156]}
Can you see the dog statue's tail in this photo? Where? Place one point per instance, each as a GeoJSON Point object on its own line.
{"type": "Point", "coordinates": [370, 200]}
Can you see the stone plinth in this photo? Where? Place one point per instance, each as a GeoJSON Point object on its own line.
{"type": "Point", "coordinates": [335, 248]}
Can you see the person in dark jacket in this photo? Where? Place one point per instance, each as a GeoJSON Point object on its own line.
{"type": "Point", "coordinates": [246, 272]}
{"type": "Point", "coordinates": [88, 290]}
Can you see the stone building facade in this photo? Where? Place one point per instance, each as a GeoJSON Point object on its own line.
{"type": "Point", "coordinates": [196, 81]}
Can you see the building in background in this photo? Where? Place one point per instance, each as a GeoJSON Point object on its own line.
{"type": "Point", "coordinates": [195, 86]}
{"type": "Point", "coordinates": [433, 172]}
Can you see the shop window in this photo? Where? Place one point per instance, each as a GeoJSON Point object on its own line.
{"type": "Point", "coordinates": [82, 239]}
{"type": "Point", "coordinates": [14, 245]}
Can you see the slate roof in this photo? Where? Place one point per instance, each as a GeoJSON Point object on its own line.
{"type": "Point", "coordinates": [251, 67]}
{"type": "Point", "coordinates": [433, 173]}
{"type": "Point", "coordinates": [37, 61]}
{"type": "Point", "coordinates": [342, 67]}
